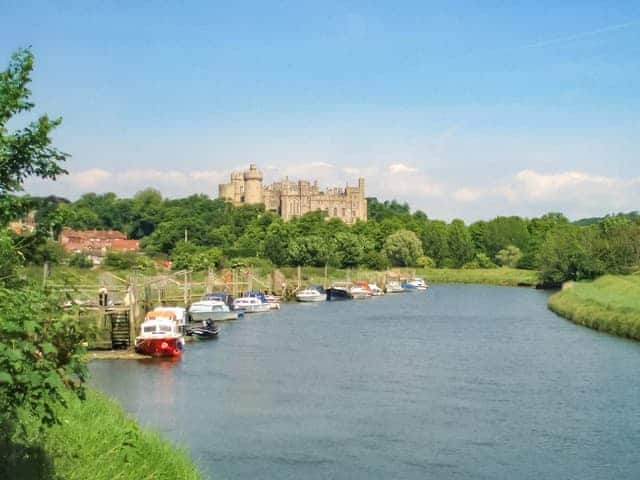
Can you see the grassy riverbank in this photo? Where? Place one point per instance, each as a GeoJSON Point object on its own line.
{"type": "Point", "coordinates": [97, 440]}
{"type": "Point", "coordinates": [609, 304]}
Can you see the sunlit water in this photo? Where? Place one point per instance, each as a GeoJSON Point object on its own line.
{"type": "Point", "coordinates": [460, 382]}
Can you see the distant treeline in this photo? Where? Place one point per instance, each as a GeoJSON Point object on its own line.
{"type": "Point", "coordinates": [219, 233]}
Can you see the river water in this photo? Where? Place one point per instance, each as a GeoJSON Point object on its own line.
{"type": "Point", "coordinates": [464, 382]}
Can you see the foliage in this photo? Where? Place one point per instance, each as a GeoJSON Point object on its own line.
{"type": "Point", "coordinates": [95, 440]}
{"type": "Point", "coordinates": [509, 256]}
{"type": "Point", "coordinates": [403, 248]}
{"type": "Point", "coordinates": [127, 261]}
{"type": "Point", "coordinates": [459, 243]}
{"type": "Point", "coordinates": [80, 260]}
{"type": "Point", "coordinates": [425, 262]}
{"type": "Point", "coordinates": [609, 304]}
{"type": "Point", "coordinates": [481, 260]}
{"type": "Point", "coordinates": [187, 256]}
{"type": "Point", "coordinates": [40, 356]}
{"type": "Point", "coordinates": [27, 151]}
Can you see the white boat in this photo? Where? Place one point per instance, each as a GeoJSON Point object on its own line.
{"type": "Point", "coordinates": [360, 293]}
{"type": "Point", "coordinates": [215, 310]}
{"type": "Point", "coordinates": [417, 283]}
{"type": "Point", "coordinates": [273, 301]}
{"type": "Point", "coordinates": [160, 335]}
{"type": "Point", "coordinates": [311, 294]}
{"type": "Point", "coordinates": [251, 305]}
{"type": "Point", "coordinates": [376, 291]}
{"type": "Point", "coordinates": [178, 314]}
{"type": "Point", "coordinates": [394, 286]}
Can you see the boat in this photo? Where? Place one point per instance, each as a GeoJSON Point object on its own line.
{"type": "Point", "coordinates": [220, 296]}
{"type": "Point", "coordinates": [311, 294]}
{"type": "Point", "coordinates": [376, 291]}
{"type": "Point", "coordinates": [393, 286]}
{"type": "Point", "coordinates": [271, 300]}
{"type": "Point", "coordinates": [251, 305]}
{"type": "Point", "coordinates": [205, 330]}
{"type": "Point", "coordinates": [160, 335]}
{"type": "Point", "coordinates": [214, 310]}
{"type": "Point", "coordinates": [339, 291]}
{"type": "Point", "coordinates": [417, 284]}
{"type": "Point", "coordinates": [360, 291]}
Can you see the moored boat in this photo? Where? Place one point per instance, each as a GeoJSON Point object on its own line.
{"type": "Point", "coordinates": [205, 330]}
{"type": "Point", "coordinates": [160, 335]}
{"type": "Point", "coordinates": [251, 305]}
{"type": "Point", "coordinates": [214, 310]}
{"type": "Point", "coordinates": [376, 291]}
{"type": "Point", "coordinates": [339, 292]}
{"type": "Point", "coordinates": [311, 294]}
{"type": "Point", "coordinates": [360, 291]}
{"type": "Point", "coordinates": [394, 286]}
{"type": "Point", "coordinates": [417, 284]}
{"type": "Point", "coordinates": [271, 300]}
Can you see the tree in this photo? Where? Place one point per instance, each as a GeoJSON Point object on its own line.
{"type": "Point", "coordinates": [434, 241]}
{"type": "Point", "coordinates": [403, 248]}
{"type": "Point", "coordinates": [25, 152]}
{"type": "Point", "coordinates": [459, 243]}
{"type": "Point", "coordinates": [509, 256]}
{"type": "Point", "coordinates": [40, 352]}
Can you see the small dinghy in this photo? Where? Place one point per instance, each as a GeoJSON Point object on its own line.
{"type": "Point", "coordinates": [205, 330]}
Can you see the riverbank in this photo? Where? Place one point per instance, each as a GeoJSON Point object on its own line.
{"type": "Point", "coordinates": [609, 304]}
{"type": "Point", "coordinates": [96, 439]}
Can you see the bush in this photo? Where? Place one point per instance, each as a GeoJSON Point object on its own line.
{"type": "Point", "coordinates": [509, 256]}
{"type": "Point", "coordinates": [376, 260]}
{"type": "Point", "coordinates": [425, 262]}
{"type": "Point", "coordinates": [127, 261]}
{"type": "Point", "coordinates": [80, 260]}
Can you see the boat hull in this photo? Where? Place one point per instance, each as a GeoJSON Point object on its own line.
{"type": "Point", "coordinates": [215, 316]}
{"type": "Point", "coordinates": [202, 332]}
{"type": "Point", "coordinates": [160, 347]}
{"type": "Point", "coordinates": [311, 298]}
{"type": "Point", "coordinates": [336, 294]}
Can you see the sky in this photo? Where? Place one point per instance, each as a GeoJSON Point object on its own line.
{"type": "Point", "coordinates": [463, 109]}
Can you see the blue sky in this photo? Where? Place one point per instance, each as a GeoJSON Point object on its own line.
{"type": "Point", "coordinates": [463, 109]}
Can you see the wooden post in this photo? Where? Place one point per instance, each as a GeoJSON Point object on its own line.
{"type": "Point", "coordinates": [45, 274]}
{"type": "Point", "coordinates": [131, 292]}
{"type": "Point", "coordinates": [326, 272]}
{"type": "Point", "coordinates": [299, 277]}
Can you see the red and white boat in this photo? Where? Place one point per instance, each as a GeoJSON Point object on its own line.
{"type": "Point", "coordinates": [160, 335]}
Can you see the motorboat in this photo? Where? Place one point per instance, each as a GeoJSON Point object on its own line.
{"type": "Point", "coordinates": [376, 291]}
{"type": "Point", "coordinates": [204, 330]}
{"type": "Point", "coordinates": [339, 292]}
{"type": "Point", "coordinates": [179, 312]}
{"type": "Point", "coordinates": [250, 305]}
{"type": "Point", "coordinates": [214, 310]}
{"type": "Point", "coordinates": [311, 294]}
{"type": "Point", "coordinates": [360, 291]}
{"type": "Point", "coordinates": [160, 335]}
{"type": "Point", "coordinates": [271, 300]}
{"type": "Point", "coordinates": [393, 286]}
{"type": "Point", "coordinates": [220, 296]}
{"type": "Point", "coordinates": [417, 284]}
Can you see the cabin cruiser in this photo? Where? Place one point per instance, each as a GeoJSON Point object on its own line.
{"type": "Point", "coordinates": [250, 305]}
{"type": "Point", "coordinates": [311, 294]}
{"type": "Point", "coordinates": [339, 291]}
{"type": "Point", "coordinates": [376, 291]}
{"type": "Point", "coordinates": [214, 310]}
{"type": "Point", "coordinates": [360, 291]}
{"type": "Point", "coordinates": [417, 284]}
{"type": "Point", "coordinates": [393, 286]}
{"type": "Point", "coordinates": [220, 296]}
{"type": "Point", "coordinates": [271, 300]}
{"type": "Point", "coordinates": [160, 335]}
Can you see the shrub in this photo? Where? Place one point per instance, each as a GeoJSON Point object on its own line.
{"type": "Point", "coordinates": [127, 261]}
{"type": "Point", "coordinates": [509, 256]}
{"type": "Point", "coordinates": [425, 262]}
{"type": "Point", "coordinates": [80, 260]}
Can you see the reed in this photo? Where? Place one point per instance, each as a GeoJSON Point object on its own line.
{"type": "Point", "coordinates": [609, 304]}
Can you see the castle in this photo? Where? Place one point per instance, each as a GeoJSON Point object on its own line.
{"type": "Point", "coordinates": [293, 199]}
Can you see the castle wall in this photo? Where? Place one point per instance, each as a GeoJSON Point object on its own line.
{"type": "Point", "coordinates": [294, 199]}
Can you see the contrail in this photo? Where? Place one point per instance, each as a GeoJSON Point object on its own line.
{"type": "Point", "coordinates": [578, 36]}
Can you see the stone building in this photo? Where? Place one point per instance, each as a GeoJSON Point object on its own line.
{"type": "Point", "coordinates": [295, 198]}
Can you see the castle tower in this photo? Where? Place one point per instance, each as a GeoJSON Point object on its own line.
{"type": "Point", "coordinates": [253, 185]}
{"type": "Point", "coordinates": [237, 183]}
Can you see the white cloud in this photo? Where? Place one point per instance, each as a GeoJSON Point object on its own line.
{"type": "Point", "coordinates": [400, 168]}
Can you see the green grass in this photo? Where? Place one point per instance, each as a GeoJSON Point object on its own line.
{"type": "Point", "coordinates": [609, 304]}
{"type": "Point", "coordinates": [97, 440]}
{"type": "Point", "coordinates": [491, 276]}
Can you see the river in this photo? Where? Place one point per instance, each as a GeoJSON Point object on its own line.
{"type": "Point", "coordinates": [464, 381]}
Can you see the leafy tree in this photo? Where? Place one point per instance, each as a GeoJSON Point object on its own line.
{"type": "Point", "coordinates": [459, 243]}
{"type": "Point", "coordinates": [350, 249]}
{"type": "Point", "coordinates": [80, 260]}
{"type": "Point", "coordinates": [425, 262]}
{"type": "Point", "coordinates": [403, 248]}
{"type": "Point", "coordinates": [435, 241]}
{"type": "Point", "coordinates": [509, 256]}
{"type": "Point", "coordinates": [40, 353]}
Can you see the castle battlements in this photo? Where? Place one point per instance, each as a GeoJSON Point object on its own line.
{"type": "Point", "coordinates": [295, 198]}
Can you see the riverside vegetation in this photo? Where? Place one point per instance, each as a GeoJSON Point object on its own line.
{"type": "Point", "coordinates": [609, 304]}
{"type": "Point", "coordinates": [51, 426]}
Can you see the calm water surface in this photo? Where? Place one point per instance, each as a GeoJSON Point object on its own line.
{"type": "Point", "coordinates": [460, 382]}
